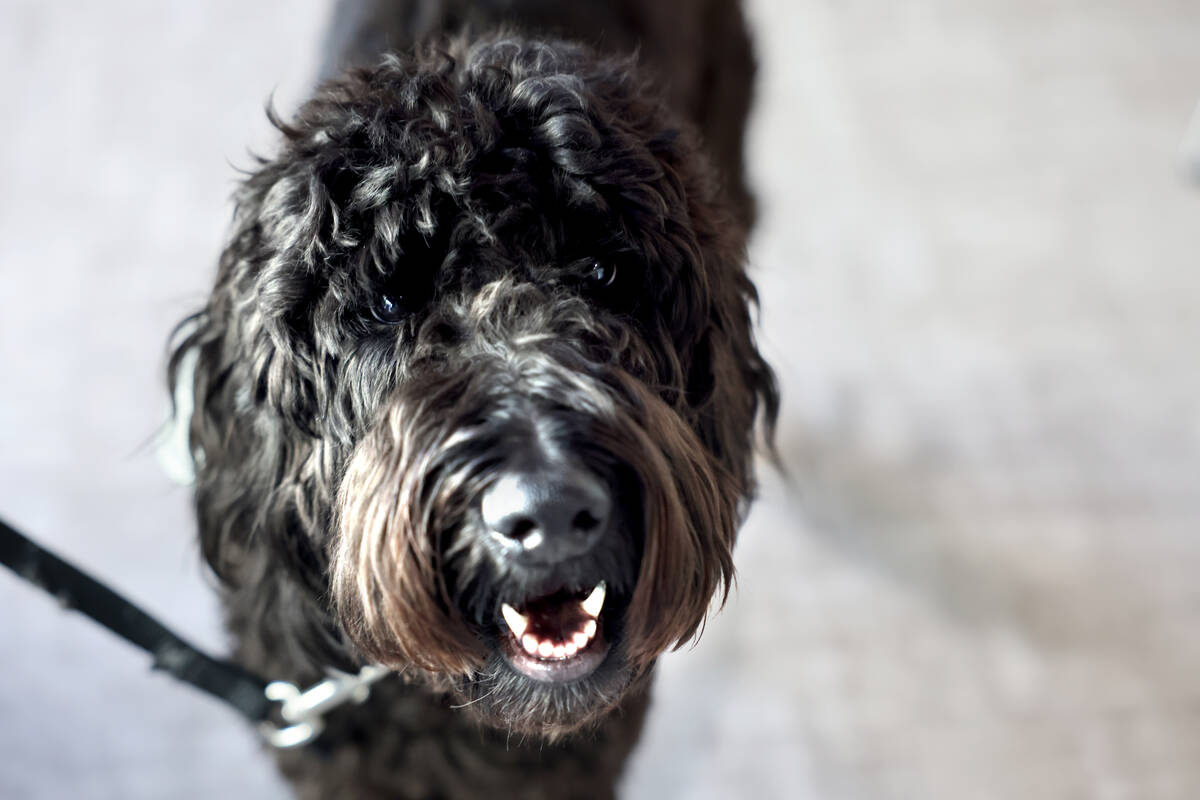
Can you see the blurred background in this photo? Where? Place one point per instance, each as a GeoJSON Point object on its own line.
{"type": "Point", "coordinates": [978, 249]}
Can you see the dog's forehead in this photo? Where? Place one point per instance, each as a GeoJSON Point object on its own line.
{"type": "Point", "coordinates": [500, 140]}
{"type": "Point", "coordinates": [511, 209]}
{"type": "Point", "coordinates": [406, 185]}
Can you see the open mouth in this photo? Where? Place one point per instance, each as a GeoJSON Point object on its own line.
{"type": "Point", "coordinates": [556, 638]}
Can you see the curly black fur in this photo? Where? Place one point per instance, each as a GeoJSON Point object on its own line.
{"type": "Point", "coordinates": [490, 240]}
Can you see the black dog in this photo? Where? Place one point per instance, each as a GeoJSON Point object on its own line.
{"type": "Point", "coordinates": [476, 387]}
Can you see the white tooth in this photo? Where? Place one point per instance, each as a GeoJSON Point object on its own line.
{"type": "Point", "coordinates": [530, 643]}
{"type": "Point", "coordinates": [595, 601]}
{"type": "Point", "coordinates": [545, 649]}
{"type": "Point", "coordinates": [517, 621]}
{"type": "Point", "coordinates": [580, 639]}
{"type": "Point", "coordinates": [571, 649]}
{"type": "Point", "coordinates": [560, 651]}
{"type": "Point", "coordinates": [589, 630]}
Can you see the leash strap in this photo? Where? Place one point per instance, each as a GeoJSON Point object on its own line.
{"type": "Point", "coordinates": [75, 590]}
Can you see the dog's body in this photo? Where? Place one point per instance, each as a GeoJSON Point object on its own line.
{"type": "Point", "coordinates": [476, 387]}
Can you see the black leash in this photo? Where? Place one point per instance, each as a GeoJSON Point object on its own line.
{"type": "Point", "coordinates": [301, 712]}
{"type": "Point", "coordinates": [76, 590]}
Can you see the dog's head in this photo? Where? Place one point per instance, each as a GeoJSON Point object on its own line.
{"type": "Point", "coordinates": [476, 388]}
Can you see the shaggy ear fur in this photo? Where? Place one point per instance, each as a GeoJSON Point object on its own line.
{"type": "Point", "coordinates": [730, 386]}
{"type": "Point", "coordinates": [264, 472]}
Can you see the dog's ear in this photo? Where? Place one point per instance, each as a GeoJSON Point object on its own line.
{"type": "Point", "coordinates": [657, 177]}
{"type": "Point", "coordinates": [248, 366]}
{"type": "Point", "coordinates": [705, 298]}
{"type": "Point", "coordinates": [709, 301]}
{"type": "Point", "coordinates": [742, 393]}
{"type": "Point", "coordinates": [282, 276]}
{"type": "Point", "coordinates": [730, 389]}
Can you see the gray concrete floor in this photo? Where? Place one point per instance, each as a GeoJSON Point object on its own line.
{"type": "Point", "coordinates": [981, 575]}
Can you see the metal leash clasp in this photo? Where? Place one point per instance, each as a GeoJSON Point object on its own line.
{"type": "Point", "coordinates": [305, 710]}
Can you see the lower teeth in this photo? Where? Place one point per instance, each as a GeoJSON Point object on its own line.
{"type": "Point", "coordinates": [546, 649]}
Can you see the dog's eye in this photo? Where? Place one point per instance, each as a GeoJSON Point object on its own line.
{"type": "Point", "coordinates": [388, 308]}
{"type": "Point", "coordinates": [602, 273]}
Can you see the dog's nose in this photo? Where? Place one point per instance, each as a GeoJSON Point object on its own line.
{"type": "Point", "coordinates": [548, 516]}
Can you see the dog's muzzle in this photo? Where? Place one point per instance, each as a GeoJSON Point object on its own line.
{"type": "Point", "coordinates": [530, 508]}
{"type": "Point", "coordinates": [541, 519]}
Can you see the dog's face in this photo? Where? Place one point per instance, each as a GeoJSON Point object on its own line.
{"type": "Point", "coordinates": [478, 376]}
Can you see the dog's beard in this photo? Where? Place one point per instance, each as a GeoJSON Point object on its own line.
{"type": "Point", "coordinates": [416, 586]}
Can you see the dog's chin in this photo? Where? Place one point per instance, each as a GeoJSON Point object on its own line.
{"type": "Point", "coordinates": [504, 697]}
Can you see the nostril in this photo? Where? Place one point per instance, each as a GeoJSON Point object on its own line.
{"type": "Point", "coordinates": [584, 521]}
{"type": "Point", "coordinates": [519, 528]}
